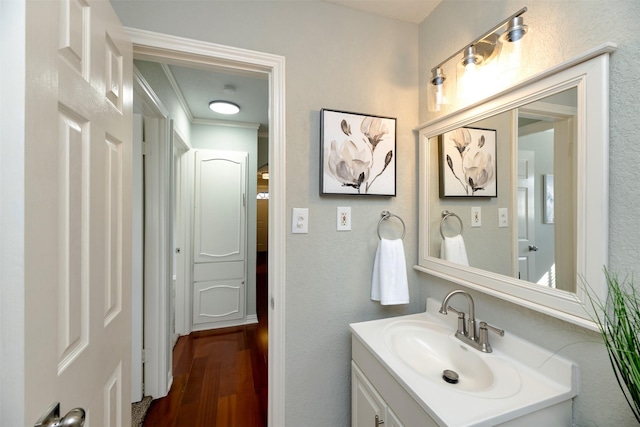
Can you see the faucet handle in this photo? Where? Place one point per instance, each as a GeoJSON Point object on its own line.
{"type": "Point", "coordinates": [483, 339]}
{"type": "Point", "coordinates": [462, 325]}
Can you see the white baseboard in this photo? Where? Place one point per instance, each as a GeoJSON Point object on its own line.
{"type": "Point", "coordinates": [248, 320]}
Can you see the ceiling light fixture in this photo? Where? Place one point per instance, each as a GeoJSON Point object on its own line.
{"type": "Point", "coordinates": [224, 107]}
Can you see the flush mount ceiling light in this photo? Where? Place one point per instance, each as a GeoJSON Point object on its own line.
{"type": "Point", "coordinates": [224, 107]}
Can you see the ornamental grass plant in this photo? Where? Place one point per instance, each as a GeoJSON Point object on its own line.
{"type": "Point", "coordinates": [619, 322]}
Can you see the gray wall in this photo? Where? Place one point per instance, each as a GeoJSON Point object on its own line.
{"type": "Point", "coordinates": [558, 32]}
{"type": "Point", "coordinates": [344, 59]}
{"type": "Point", "coordinates": [157, 79]}
{"type": "Point", "coordinates": [488, 246]}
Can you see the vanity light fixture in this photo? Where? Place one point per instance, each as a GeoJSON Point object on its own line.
{"type": "Point", "coordinates": [480, 51]}
{"type": "Point", "coordinates": [224, 107]}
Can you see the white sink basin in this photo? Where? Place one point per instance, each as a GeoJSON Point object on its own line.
{"type": "Point", "coordinates": [516, 379]}
{"type": "Point", "coordinates": [430, 349]}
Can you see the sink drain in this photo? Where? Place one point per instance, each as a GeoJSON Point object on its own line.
{"type": "Point", "coordinates": [450, 376]}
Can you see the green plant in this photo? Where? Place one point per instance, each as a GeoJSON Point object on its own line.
{"type": "Point", "coordinates": [619, 322]}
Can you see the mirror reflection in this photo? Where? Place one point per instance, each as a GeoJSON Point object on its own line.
{"type": "Point", "coordinates": [520, 218]}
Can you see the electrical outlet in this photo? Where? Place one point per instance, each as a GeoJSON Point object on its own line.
{"type": "Point", "coordinates": [503, 217]}
{"type": "Point", "coordinates": [300, 221]}
{"type": "Point", "coordinates": [344, 219]}
{"type": "Point", "coordinates": [476, 217]}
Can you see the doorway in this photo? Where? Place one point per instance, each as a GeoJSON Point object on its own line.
{"type": "Point", "coordinates": [174, 50]}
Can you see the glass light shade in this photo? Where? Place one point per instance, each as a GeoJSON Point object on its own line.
{"type": "Point", "coordinates": [437, 91]}
{"type": "Point", "coordinates": [224, 107]}
{"type": "Point", "coordinates": [516, 61]}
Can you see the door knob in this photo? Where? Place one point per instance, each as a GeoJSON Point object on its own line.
{"type": "Point", "coordinates": [51, 418]}
{"type": "Point", "coordinates": [533, 248]}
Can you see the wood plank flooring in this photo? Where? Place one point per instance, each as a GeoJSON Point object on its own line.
{"type": "Point", "coordinates": [219, 376]}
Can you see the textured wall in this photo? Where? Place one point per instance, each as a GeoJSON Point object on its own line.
{"type": "Point", "coordinates": [343, 59]}
{"type": "Point", "coordinates": [561, 30]}
{"type": "Point", "coordinates": [157, 79]}
{"type": "Point", "coordinates": [336, 58]}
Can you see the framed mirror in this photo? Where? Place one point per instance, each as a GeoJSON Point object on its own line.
{"type": "Point", "coordinates": [524, 219]}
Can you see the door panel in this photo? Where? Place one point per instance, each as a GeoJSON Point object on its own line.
{"type": "Point", "coordinates": [220, 206]}
{"type": "Point", "coordinates": [526, 214]}
{"type": "Point", "coordinates": [220, 258]}
{"type": "Point", "coordinates": [78, 211]}
{"type": "Point", "coordinates": [218, 299]}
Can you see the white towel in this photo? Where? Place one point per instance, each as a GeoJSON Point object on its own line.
{"type": "Point", "coordinates": [389, 284]}
{"type": "Point", "coordinates": [453, 249]}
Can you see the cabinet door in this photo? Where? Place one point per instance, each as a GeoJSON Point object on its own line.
{"type": "Point", "coordinates": [392, 420]}
{"type": "Point", "coordinates": [366, 403]}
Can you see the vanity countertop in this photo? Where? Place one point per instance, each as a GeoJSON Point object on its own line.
{"type": "Point", "coordinates": [545, 378]}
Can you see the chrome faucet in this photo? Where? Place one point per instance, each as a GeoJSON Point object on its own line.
{"type": "Point", "coordinates": [467, 331]}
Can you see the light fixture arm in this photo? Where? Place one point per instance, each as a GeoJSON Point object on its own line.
{"type": "Point", "coordinates": [491, 31]}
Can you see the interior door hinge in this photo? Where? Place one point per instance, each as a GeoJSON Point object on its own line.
{"type": "Point", "coordinates": [146, 148]}
{"type": "Point", "coordinates": [144, 356]}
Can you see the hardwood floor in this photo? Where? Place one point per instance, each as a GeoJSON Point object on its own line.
{"type": "Point", "coordinates": [219, 376]}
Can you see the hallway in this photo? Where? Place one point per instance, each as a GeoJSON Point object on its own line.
{"type": "Point", "coordinates": [219, 375]}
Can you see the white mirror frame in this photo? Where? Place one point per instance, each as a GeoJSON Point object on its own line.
{"type": "Point", "coordinates": [589, 73]}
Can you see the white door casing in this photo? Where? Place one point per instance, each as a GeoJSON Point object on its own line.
{"type": "Point", "coordinates": [158, 251]}
{"type": "Point", "coordinates": [137, 260]}
{"type": "Point", "coordinates": [189, 52]}
{"type": "Point", "coordinates": [77, 265]}
{"type": "Point", "coordinates": [220, 230]}
{"type": "Point", "coordinates": [183, 183]}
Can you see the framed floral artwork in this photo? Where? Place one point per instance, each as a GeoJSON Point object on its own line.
{"type": "Point", "coordinates": [468, 163]}
{"type": "Point", "coordinates": [357, 154]}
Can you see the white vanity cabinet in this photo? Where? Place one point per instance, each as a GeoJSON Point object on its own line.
{"type": "Point", "coordinates": [530, 386]}
{"type": "Point", "coordinates": [374, 391]}
{"type": "Point", "coordinates": [367, 406]}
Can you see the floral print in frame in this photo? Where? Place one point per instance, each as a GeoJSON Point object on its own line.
{"type": "Point", "coordinates": [468, 163]}
{"type": "Point", "coordinates": [358, 154]}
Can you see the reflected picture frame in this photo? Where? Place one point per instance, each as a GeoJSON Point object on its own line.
{"type": "Point", "coordinates": [357, 154]}
{"type": "Point", "coordinates": [468, 164]}
{"type": "Point", "coordinates": [548, 202]}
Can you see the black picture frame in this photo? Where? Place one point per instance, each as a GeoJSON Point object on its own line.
{"type": "Point", "coordinates": [357, 154]}
{"type": "Point", "coordinates": [468, 163]}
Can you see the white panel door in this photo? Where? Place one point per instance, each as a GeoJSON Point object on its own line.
{"type": "Point", "coordinates": [220, 228]}
{"type": "Point", "coordinates": [526, 215]}
{"type": "Point", "coordinates": [78, 211]}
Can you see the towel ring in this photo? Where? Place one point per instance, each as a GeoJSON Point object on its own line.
{"type": "Point", "coordinates": [446, 214]}
{"type": "Point", "coordinates": [385, 215]}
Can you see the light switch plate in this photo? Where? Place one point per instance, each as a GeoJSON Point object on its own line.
{"type": "Point", "coordinates": [503, 217]}
{"type": "Point", "coordinates": [476, 217]}
{"type": "Point", "coordinates": [343, 218]}
{"type": "Point", "coordinates": [300, 221]}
